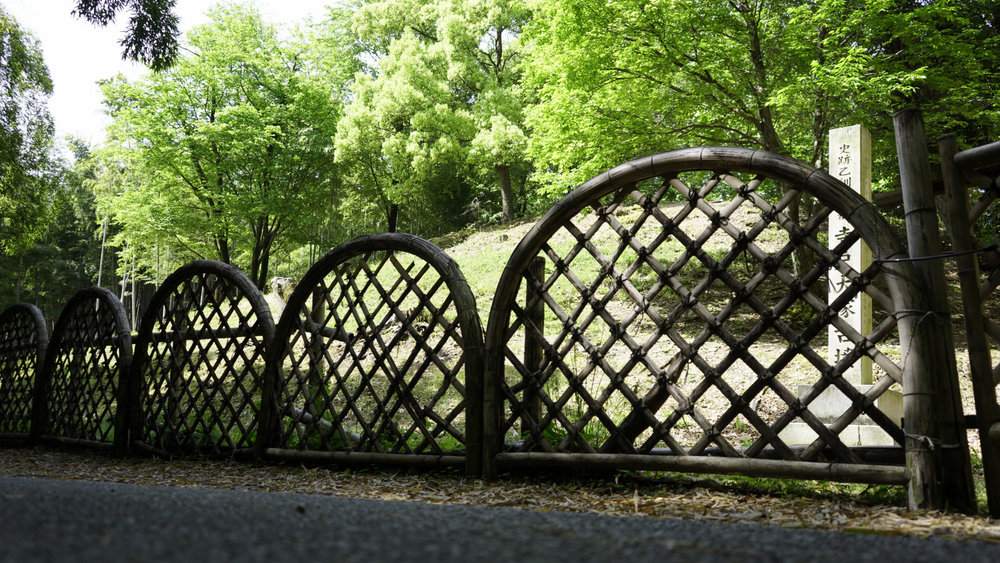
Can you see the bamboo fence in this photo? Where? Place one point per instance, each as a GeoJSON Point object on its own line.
{"type": "Point", "coordinates": [669, 314]}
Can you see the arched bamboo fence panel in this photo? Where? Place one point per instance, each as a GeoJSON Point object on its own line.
{"type": "Point", "coordinates": [24, 339]}
{"type": "Point", "coordinates": [572, 379]}
{"type": "Point", "coordinates": [82, 383]}
{"type": "Point", "coordinates": [199, 364]}
{"type": "Point", "coordinates": [378, 358]}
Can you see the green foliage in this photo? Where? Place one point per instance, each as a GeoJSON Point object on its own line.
{"type": "Point", "coordinates": [65, 258]}
{"type": "Point", "coordinates": [226, 154]}
{"type": "Point", "coordinates": [152, 29]}
{"type": "Point", "coordinates": [440, 110]}
{"type": "Point", "coordinates": [261, 144]}
{"type": "Point", "coordinates": [25, 137]}
{"type": "Point", "coordinates": [617, 80]}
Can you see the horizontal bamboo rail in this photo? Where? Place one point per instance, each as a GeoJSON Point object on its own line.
{"type": "Point", "coordinates": [366, 458]}
{"type": "Point", "coordinates": [979, 158]}
{"type": "Point", "coordinates": [78, 442]}
{"type": "Point", "coordinates": [839, 472]}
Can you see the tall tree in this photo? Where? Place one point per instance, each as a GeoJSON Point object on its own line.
{"type": "Point", "coordinates": [868, 60]}
{"type": "Point", "coordinates": [151, 37]}
{"type": "Point", "coordinates": [225, 154]}
{"type": "Point", "coordinates": [442, 101]}
{"type": "Point", "coordinates": [25, 137]}
{"type": "Point", "coordinates": [65, 259]}
{"type": "Point", "coordinates": [623, 78]}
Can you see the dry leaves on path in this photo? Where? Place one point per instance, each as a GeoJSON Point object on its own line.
{"type": "Point", "coordinates": [684, 498]}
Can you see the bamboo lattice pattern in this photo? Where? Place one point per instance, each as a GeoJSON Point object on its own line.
{"type": "Point", "coordinates": [685, 313]}
{"type": "Point", "coordinates": [199, 363]}
{"type": "Point", "coordinates": [89, 353]}
{"type": "Point", "coordinates": [380, 353]}
{"type": "Point", "coordinates": [22, 349]}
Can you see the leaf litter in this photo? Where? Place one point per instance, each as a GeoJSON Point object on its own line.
{"type": "Point", "coordinates": [625, 495]}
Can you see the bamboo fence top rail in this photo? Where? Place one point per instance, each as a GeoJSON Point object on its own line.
{"type": "Point", "coordinates": [985, 158]}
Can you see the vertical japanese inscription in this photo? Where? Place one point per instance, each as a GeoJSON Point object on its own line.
{"type": "Point", "coordinates": [850, 162]}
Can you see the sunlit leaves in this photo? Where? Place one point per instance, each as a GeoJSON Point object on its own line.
{"type": "Point", "coordinates": [25, 137]}
{"type": "Point", "coordinates": [226, 155]}
{"type": "Point", "coordinates": [442, 105]}
{"type": "Point", "coordinates": [620, 79]}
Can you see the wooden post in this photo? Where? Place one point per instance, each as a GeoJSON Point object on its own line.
{"type": "Point", "coordinates": [177, 380]}
{"type": "Point", "coordinates": [316, 377]}
{"type": "Point", "coordinates": [980, 363]}
{"type": "Point", "coordinates": [937, 450]}
{"type": "Point", "coordinates": [533, 350]}
{"type": "Point", "coordinates": [851, 163]}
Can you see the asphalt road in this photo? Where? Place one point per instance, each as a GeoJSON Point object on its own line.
{"type": "Point", "coordinates": [44, 520]}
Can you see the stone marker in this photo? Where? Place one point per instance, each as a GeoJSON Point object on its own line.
{"type": "Point", "coordinates": [850, 162]}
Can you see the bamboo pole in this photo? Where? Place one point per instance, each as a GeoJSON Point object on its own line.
{"type": "Point", "coordinates": [533, 341]}
{"type": "Point", "coordinates": [104, 240]}
{"type": "Point", "coordinates": [986, 156]}
{"type": "Point", "coordinates": [753, 467]}
{"type": "Point", "coordinates": [937, 450]}
{"type": "Point", "coordinates": [366, 458]}
{"type": "Point", "coordinates": [980, 363]}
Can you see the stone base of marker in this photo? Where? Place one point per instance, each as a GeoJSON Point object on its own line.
{"type": "Point", "coordinates": [831, 404]}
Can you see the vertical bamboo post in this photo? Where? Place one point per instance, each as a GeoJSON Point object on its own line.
{"type": "Point", "coordinates": [315, 378]}
{"type": "Point", "coordinates": [533, 350]}
{"type": "Point", "coordinates": [176, 382]}
{"type": "Point", "coordinates": [937, 450]}
{"type": "Point", "coordinates": [43, 376]}
{"type": "Point", "coordinates": [980, 364]}
{"type": "Point", "coordinates": [492, 372]}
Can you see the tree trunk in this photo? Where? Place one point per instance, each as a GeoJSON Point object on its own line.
{"type": "Point", "coordinates": [222, 245]}
{"type": "Point", "coordinates": [265, 262]}
{"type": "Point", "coordinates": [506, 192]}
{"type": "Point", "coordinates": [393, 216]}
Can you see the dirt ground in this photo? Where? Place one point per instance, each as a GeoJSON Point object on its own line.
{"type": "Point", "coordinates": [822, 507]}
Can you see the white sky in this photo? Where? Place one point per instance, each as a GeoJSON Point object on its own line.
{"type": "Point", "coordinates": [78, 53]}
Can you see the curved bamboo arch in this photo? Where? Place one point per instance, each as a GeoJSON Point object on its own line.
{"type": "Point", "coordinates": [374, 304]}
{"type": "Point", "coordinates": [862, 214]}
{"type": "Point", "coordinates": [24, 339]}
{"type": "Point", "coordinates": [908, 297]}
{"type": "Point", "coordinates": [206, 318]}
{"type": "Point", "coordinates": [84, 379]}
